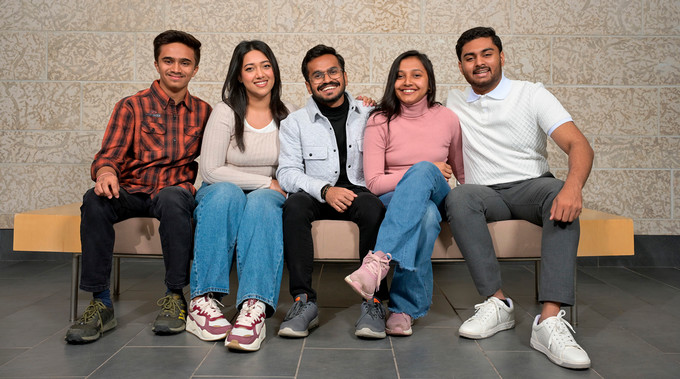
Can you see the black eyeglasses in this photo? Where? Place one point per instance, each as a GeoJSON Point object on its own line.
{"type": "Point", "coordinates": [319, 76]}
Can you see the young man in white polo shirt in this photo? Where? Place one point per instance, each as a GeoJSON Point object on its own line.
{"type": "Point", "coordinates": [505, 126]}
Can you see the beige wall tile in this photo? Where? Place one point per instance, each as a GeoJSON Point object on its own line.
{"type": "Point", "coordinates": [457, 16]}
{"type": "Point", "coordinates": [636, 152]}
{"type": "Point", "coordinates": [100, 98]}
{"type": "Point", "coordinates": [27, 187]}
{"type": "Point", "coordinates": [661, 17]}
{"type": "Point", "coordinates": [527, 58]}
{"type": "Point", "coordinates": [657, 227]}
{"type": "Point", "coordinates": [210, 93]}
{"type": "Point", "coordinates": [22, 14]}
{"type": "Point", "coordinates": [42, 105]}
{"type": "Point", "coordinates": [23, 56]}
{"type": "Point", "coordinates": [577, 17]}
{"type": "Point", "coordinates": [49, 147]}
{"type": "Point", "coordinates": [7, 221]}
{"type": "Point", "coordinates": [104, 15]}
{"type": "Point", "coordinates": [676, 197]}
{"type": "Point", "coordinates": [219, 16]}
{"type": "Point", "coordinates": [615, 61]}
{"type": "Point", "coordinates": [669, 123]}
{"type": "Point", "coordinates": [90, 56]}
{"type": "Point", "coordinates": [611, 111]}
{"type": "Point", "coordinates": [631, 193]}
{"type": "Point", "coordinates": [379, 16]}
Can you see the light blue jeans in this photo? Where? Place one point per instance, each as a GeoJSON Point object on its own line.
{"type": "Point", "coordinates": [408, 233]}
{"type": "Point", "coordinates": [224, 216]}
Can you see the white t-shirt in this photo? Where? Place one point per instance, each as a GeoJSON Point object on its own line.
{"type": "Point", "coordinates": [505, 131]}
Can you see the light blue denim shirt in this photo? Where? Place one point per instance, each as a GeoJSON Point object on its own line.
{"type": "Point", "coordinates": [308, 155]}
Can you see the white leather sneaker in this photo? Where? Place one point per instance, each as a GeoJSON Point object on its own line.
{"type": "Point", "coordinates": [552, 338]}
{"type": "Point", "coordinates": [491, 317]}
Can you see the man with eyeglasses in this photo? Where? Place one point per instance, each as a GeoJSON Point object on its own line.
{"type": "Point", "coordinates": [321, 167]}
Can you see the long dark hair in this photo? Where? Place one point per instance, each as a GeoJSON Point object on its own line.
{"type": "Point", "coordinates": [390, 106]}
{"type": "Point", "coordinates": [234, 92]}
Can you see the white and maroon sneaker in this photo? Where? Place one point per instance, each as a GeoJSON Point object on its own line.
{"type": "Point", "coordinates": [249, 329]}
{"type": "Point", "coordinates": [205, 319]}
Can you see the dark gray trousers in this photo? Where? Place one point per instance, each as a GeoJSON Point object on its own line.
{"type": "Point", "coordinates": [470, 207]}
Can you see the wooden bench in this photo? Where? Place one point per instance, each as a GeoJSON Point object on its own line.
{"type": "Point", "coordinates": [57, 229]}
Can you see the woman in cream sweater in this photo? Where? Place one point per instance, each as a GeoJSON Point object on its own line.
{"type": "Point", "coordinates": [239, 203]}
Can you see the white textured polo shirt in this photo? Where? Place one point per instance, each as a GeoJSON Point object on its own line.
{"type": "Point", "coordinates": [505, 131]}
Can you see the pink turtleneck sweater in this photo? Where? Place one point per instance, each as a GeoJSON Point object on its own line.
{"type": "Point", "coordinates": [418, 134]}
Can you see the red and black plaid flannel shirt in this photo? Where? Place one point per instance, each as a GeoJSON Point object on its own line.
{"type": "Point", "coordinates": [152, 143]}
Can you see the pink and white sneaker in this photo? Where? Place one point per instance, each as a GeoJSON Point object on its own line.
{"type": "Point", "coordinates": [399, 324]}
{"type": "Point", "coordinates": [205, 319]}
{"type": "Point", "coordinates": [366, 279]}
{"type": "Point", "coordinates": [249, 330]}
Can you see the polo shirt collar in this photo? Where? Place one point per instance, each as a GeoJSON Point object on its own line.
{"type": "Point", "coordinates": [501, 91]}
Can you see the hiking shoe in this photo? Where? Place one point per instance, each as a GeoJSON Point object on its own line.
{"type": "Point", "coordinates": [491, 317]}
{"type": "Point", "coordinates": [552, 338]}
{"type": "Point", "coordinates": [371, 323]}
{"type": "Point", "coordinates": [172, 317]}
{"type": "Point", "coordinates": [249, 330]}
{"type": "Point", "coordinates": [205, 319]}
{"type": "Point", "coordinates": [366, 280]}
{"type": "Point", "coordinates": [301, 317]}
{"type": "Point", "coordinates": [97, 319]}
{"type": "Point", "coordinates": [399, 324]}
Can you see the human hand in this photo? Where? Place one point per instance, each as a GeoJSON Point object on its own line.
{"type": "Point", "coordinates": [445, 169]}
{"type": "Point", "coordinates": [276, 187]}
{"type": "Point", "coordinates": [107, 185]}
{"type": "Point", "coordinates": [340, 198]}
{"type": "Point", "coordinates": [367, 100]}
{"type": "Point", "coordinates": [567, 205]}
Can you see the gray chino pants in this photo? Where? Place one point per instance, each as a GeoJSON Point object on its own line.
{"type": "Point", "coordinates": [470, 207]}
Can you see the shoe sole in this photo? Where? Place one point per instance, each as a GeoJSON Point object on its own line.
{"type": "Point", "coordinates": [499, 328]}
{"type": "Point", "coordinates": [193, 328]}
{"type": "Point", "coordinates": [356, 286]}
{"type": "Point", "coordinates": [368, 333]}
{"type": "Point", "coordinates": [556, 360]}
{"type": "Point", "coordinates": [255, 346]}
{"type": "Point", "coordinates": [399, 332]}
{"type": "Point", "coordinates": [77, 339]}
{"type": "Point", "coordinates": [164, 330]}
{"type": "Point", "coordinates": [288, 332]}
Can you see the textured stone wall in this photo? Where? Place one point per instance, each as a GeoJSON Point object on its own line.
{"type": "Point", "coordinates": [615, 65]}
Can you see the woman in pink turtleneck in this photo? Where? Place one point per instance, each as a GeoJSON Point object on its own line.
{"type": "Point", "coordinates": [412, 146]}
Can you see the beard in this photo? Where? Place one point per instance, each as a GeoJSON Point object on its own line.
{"type": "Point", "coordinates": [328, 100]}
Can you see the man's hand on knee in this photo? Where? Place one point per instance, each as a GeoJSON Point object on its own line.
{"type": "Point", "coordinates": [340, 198]}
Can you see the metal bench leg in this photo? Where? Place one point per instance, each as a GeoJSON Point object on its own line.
{"type": "Point", "coordinates": [116, 276]}
{"type": "Point", "coordinates": [537, 274]}
{"type": "Point", "coordinates": [75, 276]}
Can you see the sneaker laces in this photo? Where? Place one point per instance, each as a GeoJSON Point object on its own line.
{"type": "Point", "coordinates": [484, 310]}
{"type": "Point", "coordinates": [374, 264]}
{"type": "Point", "coordinates": [249, 315]}
{"type": "Point", "coordinates": [170, 304]}
{"type": "Point", "coordinates": [297, 309]}
{"type": "Point", "coordinates": [211, 309]}
{"type": "Point", "coordinates": [375, 310]}
{"type": "Point", "coordinates": [91, 312]}
{"type": "Point", "coordinates": [560, 332]}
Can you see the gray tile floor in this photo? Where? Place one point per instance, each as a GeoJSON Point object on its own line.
{"type": "Point", "coordinates": [629, 322]}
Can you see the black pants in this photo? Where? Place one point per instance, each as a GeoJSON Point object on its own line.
{"type": "Point", "coordinates": [301, 209]}
{"type": "Point", "coordinates": [173, 206]}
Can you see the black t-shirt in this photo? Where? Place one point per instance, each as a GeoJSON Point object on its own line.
{"type": "Point", "coordinates": [338, 119]}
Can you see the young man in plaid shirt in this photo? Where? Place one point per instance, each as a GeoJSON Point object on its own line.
{"type": "Point", "coordinates": [145, 168]}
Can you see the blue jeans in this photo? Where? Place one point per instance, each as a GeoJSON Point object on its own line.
{"type": "Point", "coordinates": [408, 233]}
{"type": "Point", "coordinates": [225, 215]}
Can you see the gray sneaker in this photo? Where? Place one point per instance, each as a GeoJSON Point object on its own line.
{"type": "Point", "coordinates": [301, 317]}
{"type": "Point", "coordinates": [172, 317]}
{"type": "Point", "coordinates": [97, 319]}
{"type": "Point", "coordinates": [371, 323]}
